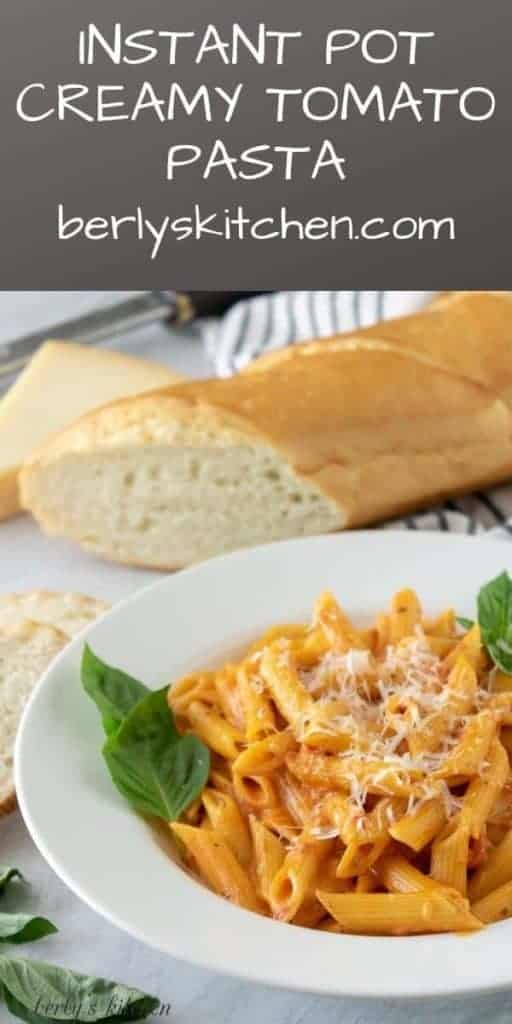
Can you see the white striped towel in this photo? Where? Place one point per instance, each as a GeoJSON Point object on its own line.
{"type": "Point", "coordinates": [269, 322]}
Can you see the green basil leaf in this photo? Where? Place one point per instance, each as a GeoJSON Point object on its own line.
{"type": "Point", "coordinates": [24, 928]}
{"type": "Point", "coordinates": [6, 875]}
{"type": "Point", "coordinates": [159, 771]}
{"type": "Point", "coordinates": [109, 724]}
{"type": "Point", "coordinates": [495, 620]}
{"type": "Point", "coordinates": [40, 993]}
{"type": "Point", "coordinates": [465, 623]}
{"type": "Point", "coordinates": [114, 692]}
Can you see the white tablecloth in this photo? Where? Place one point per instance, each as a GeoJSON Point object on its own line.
{"type": "Point", "coordinates": [85, 941]}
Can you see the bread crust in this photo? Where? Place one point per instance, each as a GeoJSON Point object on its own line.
{"type": "Point", "coordinates": [10, 505]}
{"type": "Point", "coordinates": [384, 420]}
{"type": "Point", "coordinates": [59, 609]}
{"type": "Point", "coordinates": [463, 332]}
{"type": "Point", "coordinates": [8, 804]}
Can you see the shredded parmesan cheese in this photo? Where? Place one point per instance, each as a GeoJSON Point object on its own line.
{"type": "Point", "coordinates": [386, 700]}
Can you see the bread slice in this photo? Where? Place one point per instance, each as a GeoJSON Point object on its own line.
{"type": "Point", "coordinates": [26, 651]}
{"type": "Point", "coordinates": [325, 436]}
{"type": "Point", "coordinates": [67, 612]}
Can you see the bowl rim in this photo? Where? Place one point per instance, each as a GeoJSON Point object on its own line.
{"type": "Point", "coordinates": [490, 977]}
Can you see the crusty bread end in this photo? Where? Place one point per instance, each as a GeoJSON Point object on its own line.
{"type": "Point", "coordinates": [34, 627]}
{"type": "Point", "coordinates": [162, 483]}
{"type": "Point", "coordinates": [26, 651]}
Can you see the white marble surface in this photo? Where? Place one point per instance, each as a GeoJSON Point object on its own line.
{"type": "Point", "coordinates": [85, 941]}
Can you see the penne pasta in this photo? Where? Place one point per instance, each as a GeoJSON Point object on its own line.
{"type": "Point", "coordinates": [360, 779]}
{"type": "Point", "coordinates": [263, 757]}
{"type": "Point", "coordinates": [282, 681]}
{"type": "Point", "coordinates": [321, 730]}
{"type": "Point", "coordinates": [405, 615]}
{"type": "Point", "coordinates": [334, 624]}
{"type": "Point", "coordinates": [290, 631]}
{"type": "Point", "coordinates": [441, 645]}
{"type": "Point", "coordinates": [444, 625]}
{"type": "Point", "coordinates": [221, 781]}
{"type": "Point", "coordinates": [419, 828]}
{"type": "Point", "coordinates": [398, 914]}
{"type": "Point", "coordinates": [472, 750]}
{"type": "Point", "coordinates": [269, 854]}
{"type": "Point", "coordinates": [312, 648]}
{"type": "Point", "coordinates": [382, 633]}
{"type": "Point", "coordinates": [259, 715]}
{"type": "Point", "coordinates": [200, 686]}
{"type": "Point", "coordinates": [495, 872]}
{"type": "Point", "coordinates": [293, 884]}
{"type": "Point", "coordinates": [449, 859]}
{"type": "Point", "coordinates": [495, 906]}
{"type": "Point", "coordinates": [229, 697]}
{"type": "Point", "coordinates": [359, 858]}
{"type": "Point", "coordinates": [461, 686]}
{"type": "Point", "coordinates": [225, 818]}
{"type": "Point", "coordinates": [471, 647]}
{"type": "Point", "coordinates": [219, 734]}
{"type": "Point", "coordinates": [254, 792]}
{"type": "Point", "coordinates": [281, 822]}
{"type": "Point", "coordinates": [484, 790]}
{"type": "Point", "coordinates": [327, 876]}
{"type": "Point", "coordinates": [310, 914]}
{"type": "Point", "coordinates": [299, 802]}
{"type": "Point", "coordinates": [500, 682]}
{"type": "Point", "coordinates": [397, 874]}
{"type": "Point", "coordinates": [368, 882]}
{"type": "Point", "coordinates": [217, 865]}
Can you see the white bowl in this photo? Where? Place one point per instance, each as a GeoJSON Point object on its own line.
{"type": "Point", "coordinates": [111, 859]}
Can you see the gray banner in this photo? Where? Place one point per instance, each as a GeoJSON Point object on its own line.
{"type": "Point", "coordinates": [420, 201]}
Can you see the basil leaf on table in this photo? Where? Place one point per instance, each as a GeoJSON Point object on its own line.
{"type": "Point", "coordinates": [114, 692]}
{"type": "Point", "coordinates": [24, 928]}
{"type": "Point", "coordinates": [41, 993]}
{"type": "Point", "coordinates": [495, 620]}
{"type": "Point", "coordinates": [157, 769]}
{"type": "Point", "coordinates": [465, 623]}
{"type": "Point", "coordinates": [6, 876]}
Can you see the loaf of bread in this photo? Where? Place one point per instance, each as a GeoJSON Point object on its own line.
{"type": "Point", "coordinates": [324, 436]}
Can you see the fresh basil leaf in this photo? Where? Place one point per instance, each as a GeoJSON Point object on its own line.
{"type": "Point", "coordinates": [495, 620]}
{"type": "Point", "coordinates": [114, 692]}
{"type": "Point", "coordinates": [17, 1010]}
{"type": "Point", "coordinates": [24, 928]}
{"type": "Point", "coordinates": [40, 993]}
{"type": "Point", "coordinates": [109, 724]}
{"type": "Point", "coordinates": [159, 771]}
{"type": "Point", "coordinates": [465, 623]}
{"type": "Point", "coordinates": [6, 875]}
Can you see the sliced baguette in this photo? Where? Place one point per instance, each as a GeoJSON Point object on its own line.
{"type": "Point", "coordinates": [67, 612]}
{"type": "Point", "coordinates": [326, 436]}
{"type": "Point", "coordinates": [26, 651]}
{"type": "Point", "coordinates": [184, 483]}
